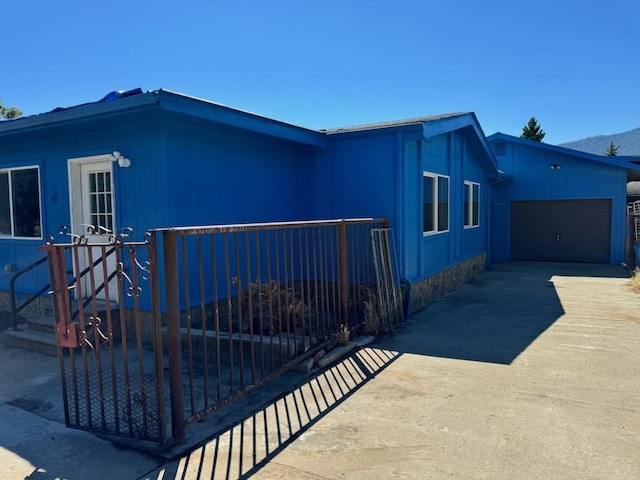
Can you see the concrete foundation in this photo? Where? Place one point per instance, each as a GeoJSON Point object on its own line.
{"type": "Point", "coordinates": [430, 289]}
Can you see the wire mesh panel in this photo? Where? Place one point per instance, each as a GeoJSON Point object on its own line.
{"type": "Point", "coordinates": [387, 278]}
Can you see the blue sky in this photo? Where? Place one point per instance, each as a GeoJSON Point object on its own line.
{"type": "Point", "coordinates": [575, 65]}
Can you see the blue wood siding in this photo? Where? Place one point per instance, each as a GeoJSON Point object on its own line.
{"type": "Point", "coordinates": [218, 178]}
{"type": "Point", "coordinates": [138, 189]}
{"type": "Point", "coordinates": [179, 175]}
{"type": "Point", "coordinates": [183, 172]}
{"type": "Point", "coordinates": [363, 176]}
{"type": "Point", "coordinates": [451, 154]}
{"type": "Point", "coordinates": [533, 179]}
{"type": "Point", "coordinates": [382, 175]}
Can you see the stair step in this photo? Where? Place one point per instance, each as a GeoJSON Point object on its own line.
{"type": "Point", "coordinates": [43, 323]}
{"type": "Point", "coordinates": [33, 340]}
{"type": "Point", "coordinates": [101, 307]}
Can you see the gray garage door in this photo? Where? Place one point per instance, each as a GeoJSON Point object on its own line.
{"type": "Point", "coordinates": [561, 231]}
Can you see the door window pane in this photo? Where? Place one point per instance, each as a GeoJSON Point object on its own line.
{"type": "Point", "coordinates": [100, 201]}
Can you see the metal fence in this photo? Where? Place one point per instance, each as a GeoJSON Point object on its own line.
{"type": "Point", "coordinates": [155, 335]}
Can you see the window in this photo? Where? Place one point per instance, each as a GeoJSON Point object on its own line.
{"type": "Point", "coordinates": [435, 209]}
{"type": "Point", "coordinates": [20, 203]}
{"type": "Point", "coordinates": [100, 200]}
{"type": "Point", "coordinates": [471, 204]}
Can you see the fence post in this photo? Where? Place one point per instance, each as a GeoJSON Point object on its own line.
{"type": "Point", "coordinates": [156, 318]}
{"type": "Point", "coordinates": [343, 278]}
{"type": "Point", "coordinates": [174, 344]}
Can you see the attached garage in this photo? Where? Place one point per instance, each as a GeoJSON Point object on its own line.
{"type": "Point", "coordinates": [561, 230]}
{"type": "Point", "coordinates": [554, 204]}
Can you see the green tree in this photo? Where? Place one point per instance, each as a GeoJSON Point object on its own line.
{"type": "Point", "coordinates": [532, 131]}
{"type": "Point", "coordinates": [9, 112]}
{"type": "Point", "coordinates": [612, 151]}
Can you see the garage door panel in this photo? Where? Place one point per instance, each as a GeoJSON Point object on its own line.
{"type": "Point", "coordinates": [561, 230]}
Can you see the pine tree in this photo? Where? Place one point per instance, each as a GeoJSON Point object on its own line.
{"type": "Point", "coordinates": [532, 131]}
{"type": "Point", "coordinates": [9, 112]}
{"type": "Point", "coordinates": [612, 151]}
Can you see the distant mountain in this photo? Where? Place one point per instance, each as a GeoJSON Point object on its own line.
{"type": "Point", "coordinates": [629, 143]}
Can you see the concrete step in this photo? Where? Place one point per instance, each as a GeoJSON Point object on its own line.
{"type": "Point", "coordinates": [101, 307]}
{"type": "Point", "coordinates": [42, 323]}
{"type": "Point", "coordinates": [34, 340]}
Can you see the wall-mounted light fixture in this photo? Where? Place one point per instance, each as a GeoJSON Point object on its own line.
{"type": "Point", "coordinates": [123, 161]}
{"type": "Point", "coordinates": [555, 166]}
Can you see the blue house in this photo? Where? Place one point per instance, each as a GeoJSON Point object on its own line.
{"type": "Point", "coordinates": [560, 205]}
{"type": "Point", "coordinates": [430, 176]}
{"type": "Point", "coordinates": [145, 160]}
{"type": "Point", "coordinates": [159, 159]}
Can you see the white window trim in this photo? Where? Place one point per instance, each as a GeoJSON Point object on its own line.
{"type": "Point", "coordinates": [12, 236]}
{"type": "Point", "coordinates": [468, 185]}
{"type": "Point", "coordinates": [435, 176]}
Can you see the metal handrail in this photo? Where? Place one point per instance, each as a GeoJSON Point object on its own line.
{"type": "Point", "coordinates": [12, 291]}
{"type": "Point", "coordinates": [15, 308]}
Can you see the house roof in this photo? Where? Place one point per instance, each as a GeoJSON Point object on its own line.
{"type": "Point", "coordinates": [431, 126]}
{"type": "Point", "coordinates": [622, 162]}
{"type": "Point", "coordinates": [136, 100]}
{"type": "Point", "coordinates": [393, 123]}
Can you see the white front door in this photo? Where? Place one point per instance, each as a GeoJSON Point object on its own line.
{"type": "Point", "coordinates": [93, 215]}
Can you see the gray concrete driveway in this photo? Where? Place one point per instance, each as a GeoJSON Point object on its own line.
{"type": "Point", "coordinates": [531, 371]}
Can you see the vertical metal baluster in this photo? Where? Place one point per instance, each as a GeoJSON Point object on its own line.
{"type": "Point", "coordinates": [104, 323]}
{"type": "Point", "coordinates": [216, 309]}
{"type": "Point", "coordinates": [343, 274]}
{"type": "Point", "coordinates": [279, 292]}
{"type": "Point", "coordinates": [229, 310]}
{"type": "Point", "coordinates": [294, 300]}
{"type": "Point", "coordinates": [325, 284]}
{"type": "Point", "coordinates": [303, 297]}
{"type": "Point", "coordinates": [187, 306]}
{"type": "Point", "coordinates": [142, 395]}
{"type": "Point", "coordinates": [260, 305]}
{"type": "Point", "coordinates": [270, 297]}
{"type": "Point", "coordinates": [203, 326]}
{"type": "Point", "coordinates": [332, 258]}
{"type": "Point", "coordinates": [154, 284]}
{"type": "Point", "coordinates": [239, 288]}
{"type": "Point", "coordinates": [308, 284]}
{"type": "Point", "coordinates": [96, 339]}
{"type": "Point", "coordinates": [318, 301]}
{"type": "Point", "coordinates": [112, 360]}
{"type": "Point", "coordinates": [250, 306]}
{"type": "Point", "coordinates": [83, 329]}
{"type": "Point", "coordinates": [127, 410]}
{"type": "Point", "coordinates": [287, 295]}
{"type": "Point", "coordinates": [356, 285]}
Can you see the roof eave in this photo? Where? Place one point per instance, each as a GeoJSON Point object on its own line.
{"type": "Point", "coordinates": [566, 151]}
{"type": "Point", "coordinates": [445, 125]}
{"type": "Point", "coordinates": [81, 113]}
{"type": "Point", "coordinates": [231, 117]}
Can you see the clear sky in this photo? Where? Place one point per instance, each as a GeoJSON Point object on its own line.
{"type": "Point", "coordinates": [575, 65]}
